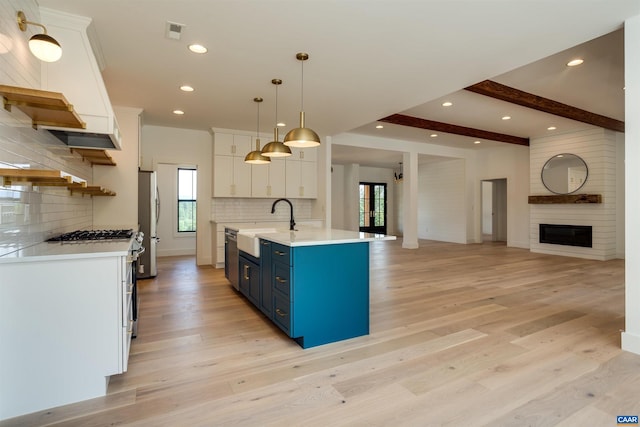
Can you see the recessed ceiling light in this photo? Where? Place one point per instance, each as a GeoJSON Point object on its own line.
{"type": "Point", "coordinates": [575, 62]}
{"type": "Point", "coordinates": [476, 142]}
{"type": "Point", "coordinates": [379, 127]}
{"type": "Point", "coordinates": [433, 135]}
{"type": "Point", "coordinates": [551, 128]}
{"type": "Point", "coordinates": [506, 117]}
{"type": "Point", "coordinates": [186, 88]}
{"type": "Point", "coordinates": [197, 48]}
{"type": "Point", "coordinates": [178, 112]}
{"type": "Point", "coordinates": [447, 104]}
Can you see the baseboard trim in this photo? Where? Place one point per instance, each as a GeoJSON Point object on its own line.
{"type": "Point", "coordinates": [631, 342]}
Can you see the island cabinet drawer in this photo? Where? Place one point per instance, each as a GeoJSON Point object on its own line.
{"type": "Point", "coordinates": [282, 312]}
{"type": "Point", "coordinates": [282, 278]}
{"type": "Point", "coordinates": [281, 253]}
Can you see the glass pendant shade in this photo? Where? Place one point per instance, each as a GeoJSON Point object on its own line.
{"type": "Point", "coordinates": [45, 48]}
{"type": "Point", "coordinates": [276, 148]}
{"type": "Point", "coordinates": [301, 137]}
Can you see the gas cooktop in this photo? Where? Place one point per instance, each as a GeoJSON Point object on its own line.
{"type": "Point", "coordinates": [93, 235]}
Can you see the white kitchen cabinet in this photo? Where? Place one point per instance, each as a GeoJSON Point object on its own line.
{"type": "Point", "coordinates": [269, 180]}
{"type": "Point", "coordinates": [294, 177]}
{"type": "Point", "coordinates": [302, 174]}
{"type": "Point", "coordinates": [231, 175]}
{"type": "Point", "coordinates": [227, 144]}
{"type": "Point", "coordinates": [65, 327]}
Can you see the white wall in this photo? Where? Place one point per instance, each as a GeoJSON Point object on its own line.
{"type": "Point", "coordinates": [441, 201]}
{"type": "Point", "coordinates": [487, 207]}
{"type": "Point", "coordinates": [120, 211]}
{"type": "Point", "coordinates": [171, 242]}
{"type": "Point", "coordinates": [597, 148]}
{"type": "Point", "coordinates": [345, 194]}
{"type": "Point", "coordinates": [351, 200]}
{"type": "Point", "coordinates": [184, 146]}
{"type": "Point", "coordinates": [511, 162]}
{"type": "Point", "coordinates": [337, 197]}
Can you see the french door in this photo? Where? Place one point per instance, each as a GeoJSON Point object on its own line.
{"type": "Point", "coordinates": [373, 207]}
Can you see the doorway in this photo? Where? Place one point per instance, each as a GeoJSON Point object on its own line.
{"type": "Point", "coordinates": [373, 207]}
{"type": "Point", "coordinates": [176, 239]}
{"type": "Point", "coordinates": [494, 210]}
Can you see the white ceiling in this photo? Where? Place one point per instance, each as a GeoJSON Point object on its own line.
{"type": "Point", "coordinates": [368, 59]}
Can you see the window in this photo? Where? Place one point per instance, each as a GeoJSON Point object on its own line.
{"type": "Point", "coordinates": [187, 190]}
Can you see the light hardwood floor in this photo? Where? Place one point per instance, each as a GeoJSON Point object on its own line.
{"type": "Point", "coordinates": [460, 335]}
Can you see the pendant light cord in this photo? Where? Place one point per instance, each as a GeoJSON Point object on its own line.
{"type": "Point", "coordinates": [258, 129]}
{"type": "Point", "coordinates": [302, 88]}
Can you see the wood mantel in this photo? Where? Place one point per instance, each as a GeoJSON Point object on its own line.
{"type": "Point", "coordinates": [565, 199]}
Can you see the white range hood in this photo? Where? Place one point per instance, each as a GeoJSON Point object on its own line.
{"type": "Point", "coordinates": [78, 77]}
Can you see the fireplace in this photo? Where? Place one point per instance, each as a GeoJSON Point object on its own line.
{"type": "Point", "coordinates": [570, 235]}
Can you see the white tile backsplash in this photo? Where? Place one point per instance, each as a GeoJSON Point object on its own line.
{"type": "Point", "coordinates": [29, 213]}
{"type": "Point", "coordinates": [245, 209]}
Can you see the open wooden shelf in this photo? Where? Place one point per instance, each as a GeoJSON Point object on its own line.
{"type": "Point", "coordinates": [43, 107]}
{"type": "Point", "coordinates": [49, 178]}
{"type": "Point", "coordinates": [92, 190]}
{"type": "Point", "coordinates": [565, 199]}
{"type": "Point", "coordinates": [52, 178]}
{"type": "Point", "coordinates": [95, 157]}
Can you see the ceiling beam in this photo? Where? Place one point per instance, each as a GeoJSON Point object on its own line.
{"type": "Point", "coordinates": [515, 96]}
{"type": "Point", "coordinates": [416, 122]}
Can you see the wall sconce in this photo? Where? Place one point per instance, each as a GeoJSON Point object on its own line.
{"type": "Point", "coordinates": [43, 46]}
{"type": "Point", "coordinates": [398, 175]}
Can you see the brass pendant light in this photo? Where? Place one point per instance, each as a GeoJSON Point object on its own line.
{"type": "Point", "coordinates": [256, 157]}
{"type": "Point", "coordinates": [302, 137]}
{"type": "Point", "coordinates": [276, 148]}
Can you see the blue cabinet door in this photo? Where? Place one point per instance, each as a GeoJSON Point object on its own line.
{"type": "Point", "coordinates": [249, 278]}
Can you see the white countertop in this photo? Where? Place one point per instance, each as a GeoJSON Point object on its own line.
{"type": "Point", "coordinates": [321, 236]}
{"type": "Point", "coordinates": [48, 251]}
{"type": "Point", "coordinates": [279, 225]}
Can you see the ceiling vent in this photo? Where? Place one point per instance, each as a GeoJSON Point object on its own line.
{"type": "Point", "coordinates": [174, 30]}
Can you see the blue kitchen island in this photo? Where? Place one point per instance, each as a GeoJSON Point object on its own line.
{"type": "Point", "coordinates": [313, 284]}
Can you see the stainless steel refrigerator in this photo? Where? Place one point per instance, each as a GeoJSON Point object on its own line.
{"type": "Point", "coordinates": [148, 214]}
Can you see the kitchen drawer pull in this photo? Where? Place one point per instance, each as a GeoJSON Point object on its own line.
{"type": "Point", "coordinates": [265, 243]}
{"type": "Point", "coordinates": [246, 272]}
{"type": "Point", "coordinates": [280, 279]}
{"type": "Point", "coordinates": [280, 312]}
{"type": "Point", "coordinates": [280, 253]}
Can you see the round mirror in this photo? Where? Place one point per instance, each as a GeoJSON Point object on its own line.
{"type": "Point", "coordinates": [564, 173]}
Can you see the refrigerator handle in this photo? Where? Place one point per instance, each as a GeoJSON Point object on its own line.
{"type": "Point", "coordinates": [157, 207]}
